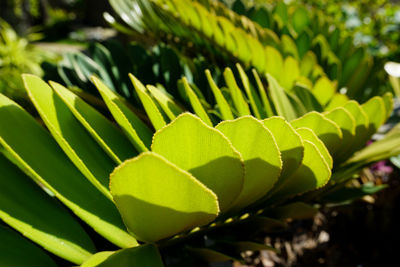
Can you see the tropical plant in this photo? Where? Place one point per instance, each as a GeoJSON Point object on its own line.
{"type": "Point", "coordinates": [177, 181]}
{"type": "Point", "coordinates": [17, 56]}
{"type": "Point", "coordinates": [262, 39]}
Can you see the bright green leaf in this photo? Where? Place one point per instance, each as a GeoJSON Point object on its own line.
{"type": "Point", "coordinates": [204, 152]}
{"type": "Point", "coordinates": [156, 203]}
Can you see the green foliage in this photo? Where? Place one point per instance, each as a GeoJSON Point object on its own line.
{"type": "Point", "coordinates": [191, 179]}
{"type": "Point", "coordinates": [17, 56]}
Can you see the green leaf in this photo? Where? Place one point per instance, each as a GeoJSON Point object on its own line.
{"type": "Point", "coordinates": [338, 100]}
{"type": "Point", "coordinates": [347, 124]}
{"type": "Point", "coordinates": [149, 106]}
{"type": "Point", "coordinates": [166, 102]}
{"type": "Point", "coordinates": [219, 98]}
{"type": "Point", "coordinates": [328, 131]}
{"type": "Point", "coordinates": [280, 100]}
{"type": "Point", "coordinates": [307, 98]}
{"type": "Point", "coordinates": [144, 255]}
{"type": "Point", "coordinates": [289, 143]}
{"type": "Point", "coordinates": [376, 113]}
{"type": "Point", "coordinates": [137, 132]}
{"type": "Point", "coordinates": [79, 146]}
{"type": "Point", "coordinates": [204, 152]}
{"type": "Point", "coordinates": [31, 146]}
{"type": "Point", "coordinates": [313, 173]}
{"type": "Point", "coordinates": [290, 73]}
{"type": "Point", "coordinates": [237, 96]}
{"type": "Point", "coordinates": [38, 217]}
{"type": "Point", "coordinates": [324, 90]}
{"type": "Point", "coordinates": [195, 102]}
{"type": "Point", "coordinates": [101, 129]}
{"type": "Point", "coordinates": [263, 94]}
{"type": "Point", "coordinates": [262, 160]}
{"type": "Point", "coordinates": [309, 135]}
{"type": "Point", "coordinates": [362, 122]}
{"type": "Point", "coordinates": [388, 101]}
{"type": "Point", "coordinates": [300, 19]}
{"type": "Point", "coordinates": [289, 48]}
{"type": "Point", "coordinates": [273, 62]}
{"type": "Point", "coordinates": [385, 148]}
{"type": "Point", "coordinates": [251, 94]}
{"type": "Point", "coordinates": [156, 203]}
{"type": "Point", "coordinates": [17, 251]}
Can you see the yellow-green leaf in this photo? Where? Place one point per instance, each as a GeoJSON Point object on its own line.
{"type": "Point", "coordinates": [157, 199]}
{"type": "Point", "coordinates": [137, 132]}
{"type": "Point", "coordinates": [111, 139]}
{"type": "Point", "coordinates": [195, 102]}
{"type": "Point", "coordinates": [71, 136]}
{"type": "Point", "coordinates": [262, 160]}
{"type": "Point", "coordinates": [204, 152]}
{"type": "Point", "coordinates": [219, 98]}
{"type": "Point", "coordinates": [149, 106]}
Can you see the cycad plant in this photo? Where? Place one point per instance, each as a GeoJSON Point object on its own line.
{"type": "Point", "coordinates": [172, 183]}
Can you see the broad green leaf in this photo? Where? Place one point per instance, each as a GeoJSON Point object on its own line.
{"type": "Point", "coordinates": [385, 148]}
{"type": "Point", "coordinates": [237, 96]}
{"type": "Point", "coordinates": [144, 255]}
{"type": "Point", "coordinates": [291, 71]}
{"type": "Point", "coordinates": [219, 98]}
{"type": "Point", "coordinates": [17, 251]}
{"type": "Point", "coordinates": [303, 43]}
{"type": "Point", "coordinates": [243, 49]}
{"type": "Point", "coordinates": [307, 98]}
{"type": "Point", "coordinates": [300, 19]}
{"type": "Point", "coordinates": [327, 130]}
{"type": "Point", "coordinates": [71, 136]}
{"type": "Point", "coordinates": [309, 135]}
{"type": "Point", "coordinates": [347, 124]}
{"type": "Point", "coordinates": [137, 132]}
{"type": "Point", "coordinates": [280, 100]}
{"type": "Point", "coordinates": [258, 57]}
{"type": "Point", "coordinates": [262, 160]}
{"type": "Point", "coordinates": [166, 102]}
{"type": "Point", "coordinates": [324, 90]}
{"type": "Point", "coordinates": [289, 47]}
{"type": "Point", "coordinates": [204, 152]}
{"type": "Point", "coordinates": [338, 100]}
{"type": "Point", "coordinates": [289, 143]}
{"type": "Point", "coordinates": [273, 62]}
{"type": "Point", "coordinates": [149, 106]}
{"type": "Point", "coordinates": [376, 113]}
{"type": "Point", "coordinates": [296, 103]}
{"type": "Point", "coordinates": [351, 64]}
{"type": "Point", "coordinates": [195, 102]}
{"type": "Point", "coordinates": [388, 101]}
{"type": "Point", "coordinates": [101, 129]}
{"type": "Point", "coordinates": [307, 64]}
{"type": "Point", "coordinates": [313, 173]}
{"type": "Point", "coordinates": [251, 94]}
{"type": "Point", "coordinates": [31, 146]}
{"type": "Point", "coordinates": [263, 94]}
{"type": "Point", "coordinates": [156, 203]}
{"type": "Point", "coordinates": [32, 212]}
{"type": "Point", "coordinates": [362, 123]}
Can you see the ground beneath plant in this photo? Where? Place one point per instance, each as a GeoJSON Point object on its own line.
{"type": "Point", "coordinates": [364, 234]}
